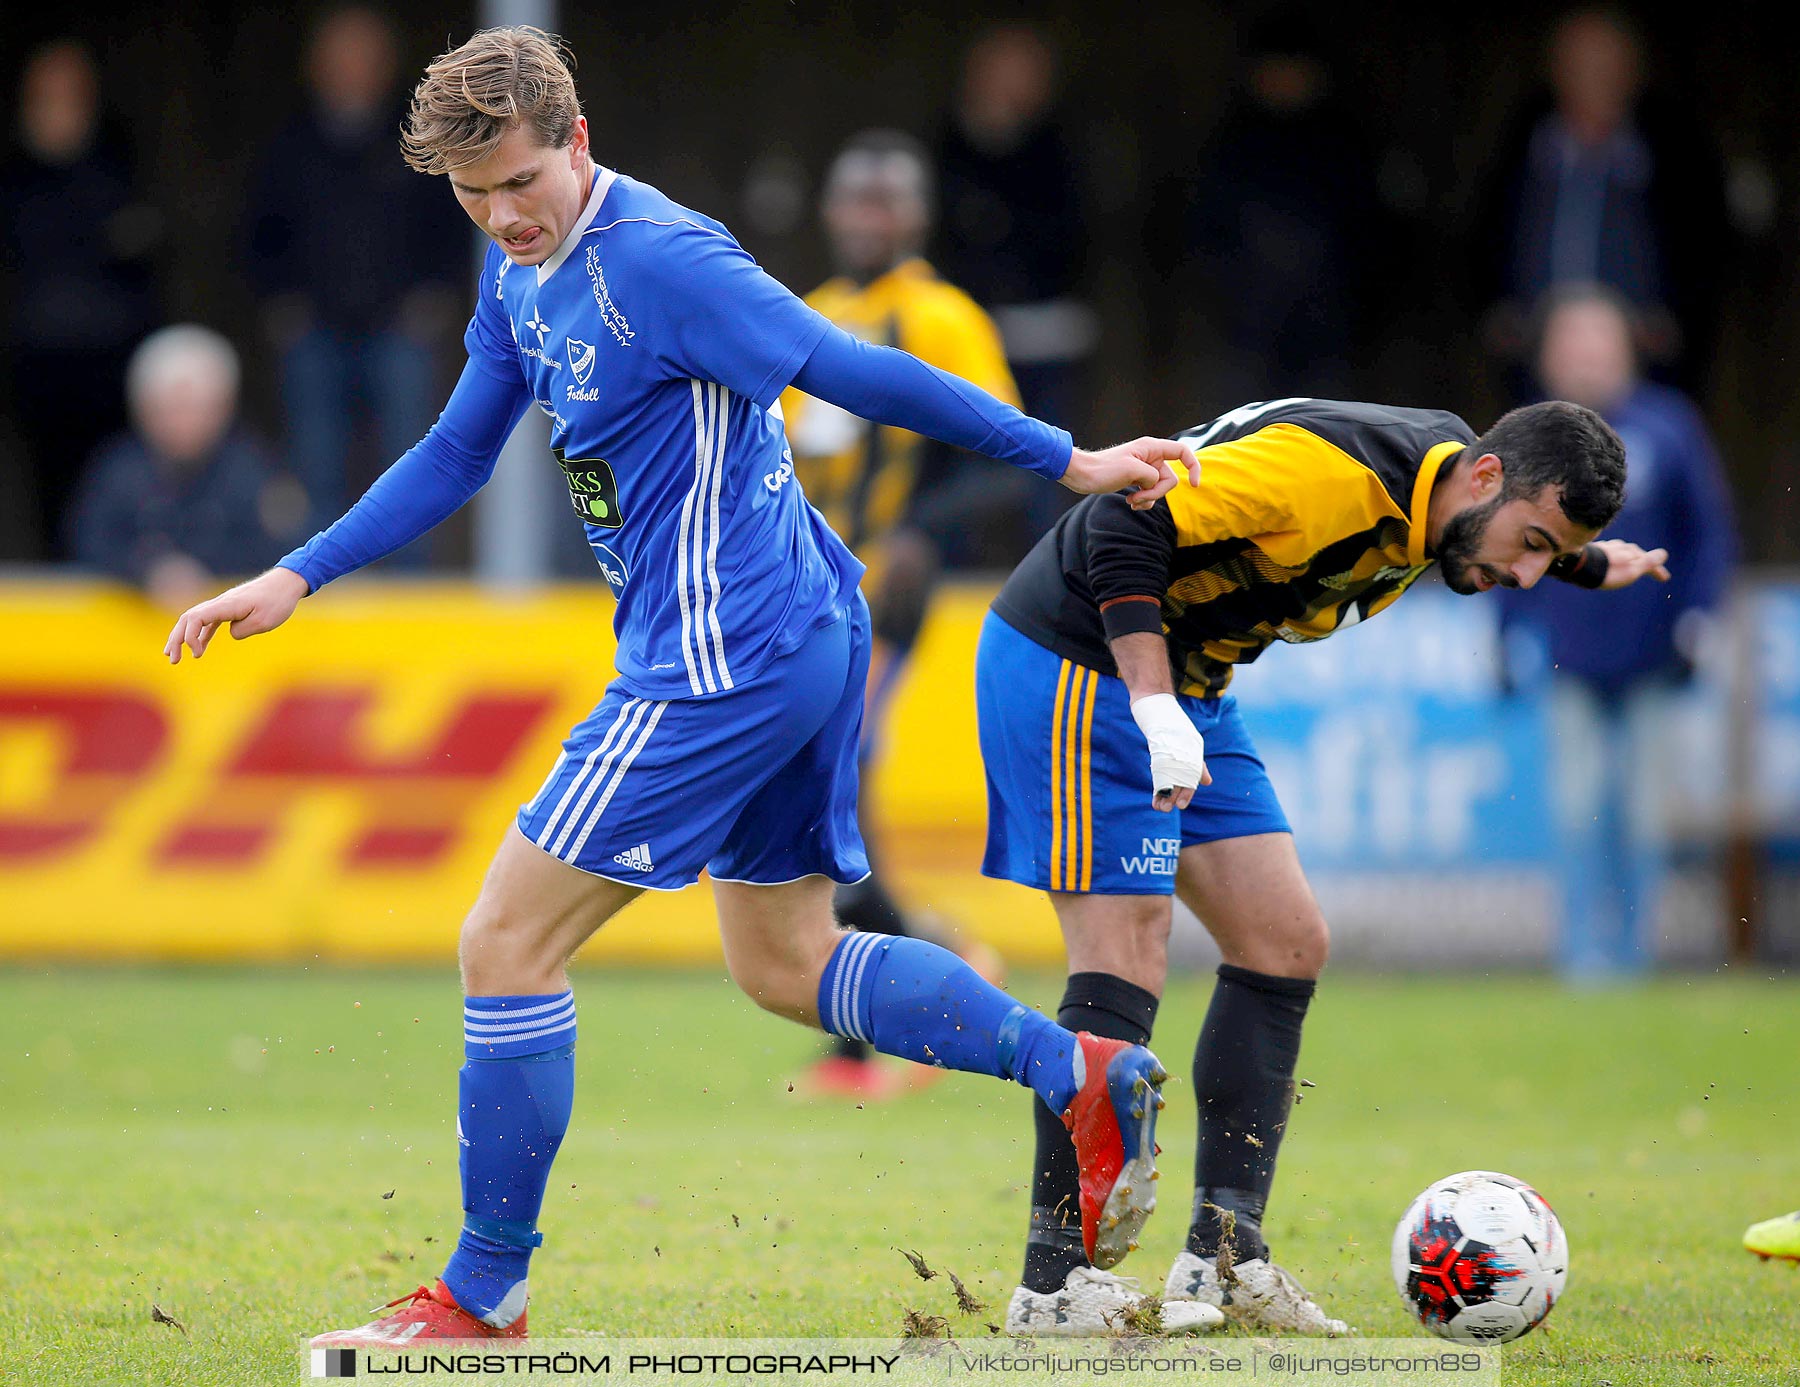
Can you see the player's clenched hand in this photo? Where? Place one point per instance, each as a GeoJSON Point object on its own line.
{"type": "Point", "coordinates": [249, 609]}
{"type": "Point", "coordinates": [1143, 463]}
{"type": "Point", "coordinates": [1626, 563]}
{"type": "Point", "coordinates": [1177, 750]}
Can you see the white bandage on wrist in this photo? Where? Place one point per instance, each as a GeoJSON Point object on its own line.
{"type": "Point", "coordinates": [1177, 750]}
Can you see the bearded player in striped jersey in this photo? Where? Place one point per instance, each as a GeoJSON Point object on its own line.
{"type": "Point", "coordinates": [728, 740]}
{"type": "Point", "coordinates": [1310, 515]}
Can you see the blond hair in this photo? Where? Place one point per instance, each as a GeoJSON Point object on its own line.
{"type": "Point", "coordinates": [472, 95]}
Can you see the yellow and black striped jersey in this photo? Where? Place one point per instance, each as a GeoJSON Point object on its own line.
{"type": "Point", "coordinates": [1309, 516]}
{"type": "Point", "coordinates": [861, 475]}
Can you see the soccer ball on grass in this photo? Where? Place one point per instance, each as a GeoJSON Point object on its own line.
{"type": "Point", "coordinates": [1480, 1258]}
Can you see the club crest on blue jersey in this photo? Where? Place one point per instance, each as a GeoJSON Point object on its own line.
{"type": "Point", "coordinates": [581, 359]}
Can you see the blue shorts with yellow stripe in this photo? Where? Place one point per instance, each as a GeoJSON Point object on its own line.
{"type": "Point", "coordinates": [1068, 776]}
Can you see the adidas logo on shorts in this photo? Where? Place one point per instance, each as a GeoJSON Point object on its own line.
{"type": "Point", "coordinates": [638, 858]}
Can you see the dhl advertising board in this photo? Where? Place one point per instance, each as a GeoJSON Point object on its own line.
{"type": "Point", "coordinates": [335, 789]}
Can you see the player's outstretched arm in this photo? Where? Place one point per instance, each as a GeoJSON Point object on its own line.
{"type": "Point", "coordinates": [889, 386]}
{"type": "Point", "coordinates": [249, 609]}
{"type": "Point", "coordinates": [428, 483]}
{"type": "Point", "coordinates": [1627, 562]}
{"type": "Point", "coordinates": [730, 322]}
{"type": "Point", "coordinates": [1143, 463]}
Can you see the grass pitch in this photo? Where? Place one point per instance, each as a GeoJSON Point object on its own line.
{"type": "Point", "coordinates": [262, 1155]}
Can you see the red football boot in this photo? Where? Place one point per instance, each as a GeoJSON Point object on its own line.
{"type": "Point", "coordinates": [1113, 1121]}
{"type": "Point", "coordinates": [430, 1312]}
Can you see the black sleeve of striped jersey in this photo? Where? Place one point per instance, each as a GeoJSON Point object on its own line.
{"type": "Point", "coordinates": [1585, 570]}
{"type": "Point", "coordinates": [1129, 554]}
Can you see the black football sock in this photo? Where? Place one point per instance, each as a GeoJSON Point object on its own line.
{"type": "Point", "coordinates": [865, 905]}
{"type": "Point", "coordinates": [1244, 1087]}
{"type": "Point", "coordinates": [848, 1047]}
{"type": "Point", "coordinates": [1117, 1010]}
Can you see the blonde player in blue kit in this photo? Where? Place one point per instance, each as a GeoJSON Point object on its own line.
{"type": "Point", "coordinates": [728, 740]}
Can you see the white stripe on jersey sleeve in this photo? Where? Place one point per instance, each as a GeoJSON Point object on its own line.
{"type": "Point", "coordinates": [722, 416]}
{"type": "Point", "coordinates": [703, 471]}
{"type": "Point", "coordinates": [681, 545]}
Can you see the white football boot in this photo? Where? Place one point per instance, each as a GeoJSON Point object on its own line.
{"type": "Point", "coordinates": [1093, 1302]}
{"type": "Point", "coordinates": [1264, 1296]}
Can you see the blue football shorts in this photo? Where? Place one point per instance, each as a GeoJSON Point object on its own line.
{"type": "Point", "coordinates": [755, 784]}
{"type": "Point", "coordinates": [1068, 776]}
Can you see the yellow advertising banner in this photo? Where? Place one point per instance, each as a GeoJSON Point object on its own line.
{"type": "Point", "coordinates": [335, 789]}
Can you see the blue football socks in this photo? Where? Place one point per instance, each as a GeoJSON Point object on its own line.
{"type": "Point", "coordinates": [516, 1090]}
{"type": "Point", "coordinates": [919, 1001]}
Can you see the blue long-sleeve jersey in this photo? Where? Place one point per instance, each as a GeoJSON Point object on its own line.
{"type": "Point", "coordinates": [658, 348]}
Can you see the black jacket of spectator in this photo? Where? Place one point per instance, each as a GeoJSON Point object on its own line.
{"type": "Point", "coordinates": [1010, 229]}
{"type": "Point", "coordinates": [78, 282]}
{"type": "Point", "coordinates": [1677, 261]}
{"type": "Point", "coordinates": [339, 220]}
{"type": "Point", "coordinates": [77, 244]}
{"type": "Point", "coordinates": [1286, 215]}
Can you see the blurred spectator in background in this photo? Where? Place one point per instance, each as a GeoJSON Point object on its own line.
{"type": "Point", "coordinates": [1616, 659]}
{"type": "Point", "coordinates": [1599, 183]}
{"type": "Point", "coordinates": [358, 263]}
{"type": "Point", "coordinates": [187, 497]}
{"type": "Point", "coordinates": [1013, 234]}
{"type": "Point", "coordinates": [79, 283]}
{"type": "Point", "coordinates": [1281, 218]}
{"type": "Point", "coordinates": [896, 498]}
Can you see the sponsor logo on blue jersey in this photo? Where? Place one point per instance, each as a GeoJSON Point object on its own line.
{"type": "Point", "coordinates": [615, 321]}
{"type": "Point", "coordinates": [593, 490]}
{"type": "Point", "coordinates": [1156, 858]}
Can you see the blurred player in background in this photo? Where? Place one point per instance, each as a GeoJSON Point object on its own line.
{"type": "Point", "coordinates": [1310, 516]}
{"type": "Point", "coordinates": [728, 741]}
{"type": "Point", "coordinates": [866, 479]}
{"type": "Point", "coordinates": [1616, 666]}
